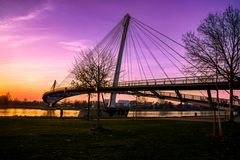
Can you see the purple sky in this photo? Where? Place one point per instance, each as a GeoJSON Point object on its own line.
{"type": "Point", "coordinates": [39, 38]}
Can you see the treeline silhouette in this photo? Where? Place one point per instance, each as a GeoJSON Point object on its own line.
{"type": "Point", "coordinates": [6, 101]}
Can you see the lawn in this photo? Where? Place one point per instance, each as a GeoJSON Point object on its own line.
{"type": "Point", "coordinates": [53, 138]}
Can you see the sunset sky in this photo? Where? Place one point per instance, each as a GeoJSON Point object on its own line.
{"type": "Point", "coordinates": [39, 38]}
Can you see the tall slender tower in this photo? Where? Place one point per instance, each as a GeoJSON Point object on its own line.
{"type": "Point", "coordinates": [119, 60]}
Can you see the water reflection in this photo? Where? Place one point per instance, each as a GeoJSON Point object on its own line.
{"type": "Point", "coordinates": [38, 112]}
{"type": "Point", "coordinates": [172, 113]}
{"type": "Point", "coordinates": [77, 113]}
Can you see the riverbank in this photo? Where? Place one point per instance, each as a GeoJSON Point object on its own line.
{"type": "Point", "coordinates": [70, 138]}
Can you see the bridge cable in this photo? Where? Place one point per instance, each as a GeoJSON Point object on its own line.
{"type": "Point", "coordinates": [155, 59]}
{"type": "Point", "coordinates": [168, 45]}
{"type": "Point", "coordinates": [143, 24]}
{"type": "Point", "coordinates": [136, 34]}
{"type": "Point", "coordinates": [130, 59]}
{"type": "Point", "coordinates": [137, 55]}
{"type": "Point", "coordinates": [158, 46]}
{"type": "Point", "coordinates": [109, 35]}
{"type": "Point", "coordinates": [113, 39]}
{"type": "Point", "coordinates": [134, 52]}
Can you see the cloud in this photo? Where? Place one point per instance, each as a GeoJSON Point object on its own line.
{"type": "Point", "coordinates": [34, 14]}
{"type": "Point", "coordinates": [26, 40]}
{"type": "Point", "coordinates": [14, 31]}
{"type": "Point", "coordinates": [15, 41]}
{"type": "Point", "coordinates": [10, 23]}
{"type": "Point", "coordinates": [6, 25]}
{"type": "Point", "coordinates": [76, 45]}
{"type": "Point", "coordinates": [29, 16]}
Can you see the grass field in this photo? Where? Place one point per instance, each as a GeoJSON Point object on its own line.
{"type": "Point", "coordinates": [46, 138]}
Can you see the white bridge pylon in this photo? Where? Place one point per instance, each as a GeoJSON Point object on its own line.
{"type": "Point", "coordinates": [119, 60]}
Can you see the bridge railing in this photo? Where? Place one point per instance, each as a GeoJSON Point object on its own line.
{"type": "Point", "coordinates": [152, 82]}
{"type": "Point", "coordinates": [196, 97]}
{"type": "Point", "coordinates": [164, 81]}
{"type": "Point", "coordinates": [169, 81]}
{"type": "Point", "coordinates": [184, 96]}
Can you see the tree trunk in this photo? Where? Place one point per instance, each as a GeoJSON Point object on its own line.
{"type": "Point", "coordinates": [98, 109]}
{"type": "Point", "coordinates": [231, 100]}
{"type": "Point", "coordinates": [88, 114]}
{"type": "Point", "coordinates": [214, 112]}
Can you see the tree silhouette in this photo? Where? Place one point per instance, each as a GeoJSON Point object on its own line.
{"type": "Point", "coordinates": [215, 50]}
{"type": "Point", "coordinates": [5, 99]}
{"type": "Point", "coordinates": [93, 70]}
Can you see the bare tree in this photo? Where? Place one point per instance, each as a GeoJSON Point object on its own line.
{"type": "Point", "coordinates": [93, 69]}
{"type": "Point", "coordinates": [216, 47]}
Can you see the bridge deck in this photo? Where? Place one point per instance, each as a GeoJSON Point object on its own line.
{"type": "Point", "coordinates": [184, 83]}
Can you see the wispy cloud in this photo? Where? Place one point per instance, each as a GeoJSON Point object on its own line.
{"type": "Point", "coordinates": [14, 30]}
{"type": "Point", "coordinates": [76, 45]}
{"type": "Point", "coordinates": [34, 14]}
{"type": "Point", "coordinates": [16, 41]}
{"type": "Point", "coordinates": [29, 16]}
{"type": "Point", "coordinates": [8, 24]}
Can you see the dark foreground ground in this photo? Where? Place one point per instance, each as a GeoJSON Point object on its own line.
{"type": "Point", "coordinates": [45, 138]}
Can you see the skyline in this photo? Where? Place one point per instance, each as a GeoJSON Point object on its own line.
{"type": "Point", "coordinates": [39, 39]}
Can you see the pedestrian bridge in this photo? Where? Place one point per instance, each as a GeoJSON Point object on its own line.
{"type": "Point", "coordinates": [157, 88]}
{"type": "Point", "coordinates": [155, 59]}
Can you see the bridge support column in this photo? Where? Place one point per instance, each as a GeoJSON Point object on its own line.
{"type": "Point", "coordinates": [210, 98]}
{"type": "Point", "coordinates": [119, 60]}
{"type": "Point", "coordinates": [155, 93]}
{"type": "Point", "coordinates": [179, 96]}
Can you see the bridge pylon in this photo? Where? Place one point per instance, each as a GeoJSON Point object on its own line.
{"type": "Point", "coordinates": [126, 20]}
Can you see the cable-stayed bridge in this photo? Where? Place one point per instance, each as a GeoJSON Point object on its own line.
{"type": "Point", "coordinates": [148, 63]}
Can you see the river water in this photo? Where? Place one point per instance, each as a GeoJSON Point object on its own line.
{"type": "Point", "coordinates": [77, 113]}
{"type": "Point", "coordinates": [37, 112]}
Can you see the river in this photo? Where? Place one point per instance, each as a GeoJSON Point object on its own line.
{"type": "Point", "coordinates": [77, 113]}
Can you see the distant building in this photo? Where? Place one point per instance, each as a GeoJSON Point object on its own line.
{"type": "Point", "coordinates": [148, 104]}
{"type": "Point", "coordinates": [124, 103]}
